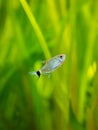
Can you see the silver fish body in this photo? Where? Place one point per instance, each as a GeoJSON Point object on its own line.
{"type": "Point", "coordinates": [51, 65]}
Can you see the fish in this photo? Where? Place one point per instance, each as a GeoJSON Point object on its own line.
{"type": "Point", "coordinates": [50, 65]}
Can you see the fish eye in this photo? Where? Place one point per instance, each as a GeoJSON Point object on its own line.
{"type": "Point", "coordinates": [61, 56]}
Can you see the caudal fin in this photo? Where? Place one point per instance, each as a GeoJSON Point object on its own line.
{"type": "Point", "coordinates": [37, 73]}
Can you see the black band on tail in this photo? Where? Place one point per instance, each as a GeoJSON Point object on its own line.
{"type": "Point", "coordinates": [38, 73]}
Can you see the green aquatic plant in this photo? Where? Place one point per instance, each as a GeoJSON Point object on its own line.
{"type": "Point", "coordinates": [33, 31]}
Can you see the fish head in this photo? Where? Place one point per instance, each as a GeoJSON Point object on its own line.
{"type": "Point", "coordinates": [62, 57]}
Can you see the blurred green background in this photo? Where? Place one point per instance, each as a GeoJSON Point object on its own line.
{"type": "Point", "coordinates": [35, 30]}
